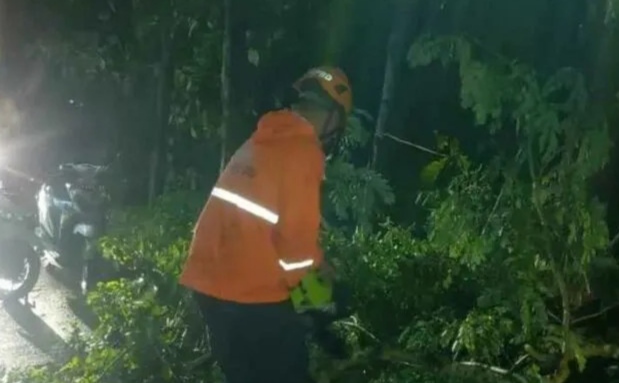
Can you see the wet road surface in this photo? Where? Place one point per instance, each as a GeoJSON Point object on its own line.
{"type": "Point", "coordinates": [38, 335]}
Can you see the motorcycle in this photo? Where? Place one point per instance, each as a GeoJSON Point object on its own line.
{"type": "Point", "coordinates": [20, 265]}
{"type": "Point", "coordinates": [72, 212]}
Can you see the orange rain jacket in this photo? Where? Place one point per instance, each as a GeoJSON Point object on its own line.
{"type": "Point", "coordinates": [257, 235]}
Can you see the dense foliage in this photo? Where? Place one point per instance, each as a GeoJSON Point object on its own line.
{"type": "Point", "coordinates": [491, 265]}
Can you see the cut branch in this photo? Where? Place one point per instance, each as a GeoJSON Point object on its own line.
{"type": "Point", "coordinates": [494, 369]}
{"type": "Point", "coordinates": [587, 352]}
{"type": "Point", "coordinates": [404, 358]}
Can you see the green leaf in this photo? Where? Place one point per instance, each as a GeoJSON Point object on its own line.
{"type": "Point", "coordinates": [430, 172]}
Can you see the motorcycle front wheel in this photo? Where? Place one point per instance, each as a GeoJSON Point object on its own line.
{"type": "Point", "coordinates": [89, 254]}
{"type": "Point", "coordinates": [20, 267]}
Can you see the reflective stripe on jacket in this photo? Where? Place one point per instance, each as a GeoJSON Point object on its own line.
{"type": "Point", "coordinates": [257, 235]}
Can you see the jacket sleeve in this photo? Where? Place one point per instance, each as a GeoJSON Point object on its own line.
{"type": "Point", "coordinates": [297, 230]}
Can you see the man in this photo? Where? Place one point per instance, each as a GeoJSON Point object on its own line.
{"type": "Point", "coordinates": [257, 236]}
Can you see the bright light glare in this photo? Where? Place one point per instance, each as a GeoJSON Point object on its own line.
{"type": "Point", "coordinates": [7, 285]}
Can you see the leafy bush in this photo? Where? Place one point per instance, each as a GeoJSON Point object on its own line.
{"type": "Point", "coordinates": [149, 329]}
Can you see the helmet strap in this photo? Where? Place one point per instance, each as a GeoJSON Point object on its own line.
{"type": "Point", "coordinates": [331, 139]}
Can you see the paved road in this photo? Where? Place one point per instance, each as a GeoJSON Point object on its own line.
{"type": "Point", "coordinates": [37, 335]}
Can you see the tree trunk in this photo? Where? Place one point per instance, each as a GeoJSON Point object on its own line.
{"type": "Point", "coordinates": [225, 84]}
{"type": "Point", "coordinates": [603, 85]}
{"type": "Point", "coordinates": [404, 10]}
{"type": "Point", "coordinates": [604, 78]}
{"type": "Point", "coordinates": [4, 32]}
{"type": "Point", "coordinates": [395, 54]}
{"type": "Point", "coordinates": [157, 157]}
{"type": "Point", "coordinates": [3, 27]}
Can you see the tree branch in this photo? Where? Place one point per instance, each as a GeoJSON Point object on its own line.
{"type": "Point", "coordinates": [494, 208]}
{"type": "Point", "coordinates": [494, 369]}
{"type": "Point", "coordinates": [595, 315]}
{"type": "Point", "coordinates": [518, 363]}
{"type": "Point", "coordinates": [397, 356]}
{"type": "Point", "coordinates": [411, 144]}
{"type": "Point", "coordinates": [353, 323]}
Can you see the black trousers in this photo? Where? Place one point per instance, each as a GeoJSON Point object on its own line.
{"type": "Point", "coordinates": [257, 343]}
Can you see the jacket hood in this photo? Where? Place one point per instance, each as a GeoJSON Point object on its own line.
{"type": "Point", "coordinates": [281, 125]}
